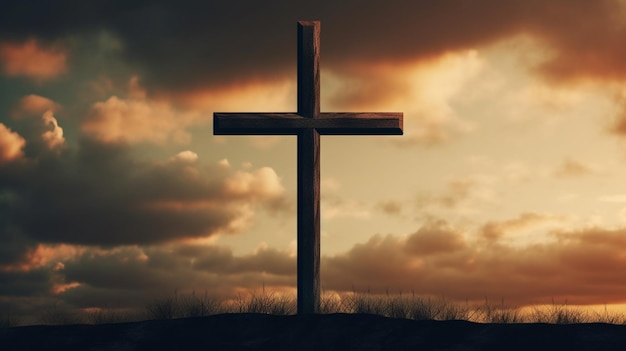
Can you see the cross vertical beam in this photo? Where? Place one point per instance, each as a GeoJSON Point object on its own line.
{"type": "Point", "coordinates": [308, 69]}
{"type": "Point", "coordinates": [308, 221]}
{"type": "Point", "coordinates": [308, 169]}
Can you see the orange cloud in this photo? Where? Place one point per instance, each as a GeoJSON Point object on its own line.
{"type": "Point", "coordinates": [11, 145]}
{"type": "Point", "coordinates": [59, 288]}
{"type": "Point", "coordinates": [587, 41]}
{"type": "Point", "coordinates": [137, 118]}
{"type": "Point", "coordinates": [133, 120]}
{"type": "Point", "coordinates": [433, 239]}
{"type": "Point", "coordinates": [494, 230]}
{"type": "Point", "coordinates": [40, 112]}
{"type": "Point", "coordinates": [34, 105]}
{"type": "Point", "coordinates": [44, 255]}
{"type": "Point", "coordinates": [424, 91]}
{"type": "Point", "coordinates": [582, 267]}
{"type": "Point", "coordinates": [32, 60]}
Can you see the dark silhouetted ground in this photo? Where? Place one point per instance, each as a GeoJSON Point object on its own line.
{"type": "Point", "coordinates": [314, 332]}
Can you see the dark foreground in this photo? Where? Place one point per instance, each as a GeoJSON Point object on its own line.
{"type": "Point", "coordinates": [316, 332]}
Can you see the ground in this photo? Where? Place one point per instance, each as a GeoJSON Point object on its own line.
{"type": "Point", "coordinates": [314, 332]}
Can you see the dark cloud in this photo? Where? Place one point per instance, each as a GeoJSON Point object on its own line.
{"type": "Point", "coordinates": [434, 239]}
{"type": "Point", "coordinates": [587, 40]}
{"type": "Point", "coordinates": [14, 243]}
{"type": "Point", "coordinates": [191, 44]}
{"type": "Point", "coordinates": [582, 266]}
{"type": "Point", "coordinates": [228, 43]}
{"type": "Point", "coordinates": [25, 283]}
{"type": "Point", "coordinates": [100, 195]}
{"type": "Point", "coordinates": [87, 296]}
{"type": "Point", "coordinates": [119, 270]}
{"type": "Point", "coordinates": [142, 274]}
{"type": "Point", "coordinates": [21, 19]}
{"type": "Point", "coordinates": [270, 261]}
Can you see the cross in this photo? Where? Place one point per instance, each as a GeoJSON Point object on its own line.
{"type": "Point", "coordinates": [308, 124]}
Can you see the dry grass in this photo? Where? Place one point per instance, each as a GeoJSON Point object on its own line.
{"type": "Point", "coordinates": [8, 320]}
{"type": "Point", "coordinates": [394, 306]}
{"type": "Point", "coordinates": [564, 314]}
{"type": "Point", "coordinates": [57, 315]}
{"type": "Point", "coordinates": [501, 313]}
{"type": "Point", "coordinates": [107, 316]}
{"type": "Point", "coordinates": [183, 306]}
{"type": "Point", "coordinates": [268, 303]}
{"type": "Point", "coordinates": [413, 307]}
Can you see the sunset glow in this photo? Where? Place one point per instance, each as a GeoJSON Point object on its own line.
{"type": "Point", "coordinates": [508, 183]}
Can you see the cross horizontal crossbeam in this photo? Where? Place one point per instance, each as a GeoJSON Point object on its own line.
{"type": "Point", "coordinates": [349, 123]}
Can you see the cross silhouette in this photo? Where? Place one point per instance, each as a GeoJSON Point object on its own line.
{"type": "Point", "coordinates": [308, 124]}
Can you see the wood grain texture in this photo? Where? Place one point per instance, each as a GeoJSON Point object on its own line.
{"type": "Point", "coordinates": [308, 68]}
{"type": "Point", "coordinates": [330, 123]}
{"type": "Point", "coordinates": [308, 221]}
{"type": "Point", "coordinates": [308, 168]}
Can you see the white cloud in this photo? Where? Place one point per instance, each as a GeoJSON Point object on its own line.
{"type": "Point", "coordinates": [186, 156]}
{"type": "Point", "coordinates": [263, 182]}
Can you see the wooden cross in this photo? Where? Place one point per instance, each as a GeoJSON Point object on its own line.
{"type": "Point", "coordinates": [308, 124]}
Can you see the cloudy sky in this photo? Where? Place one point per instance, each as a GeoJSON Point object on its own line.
{"type": "Point", "coordinates": [508, 182]}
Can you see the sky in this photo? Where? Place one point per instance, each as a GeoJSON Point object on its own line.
{"type": "Point", "coordinates": [506, 185]}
